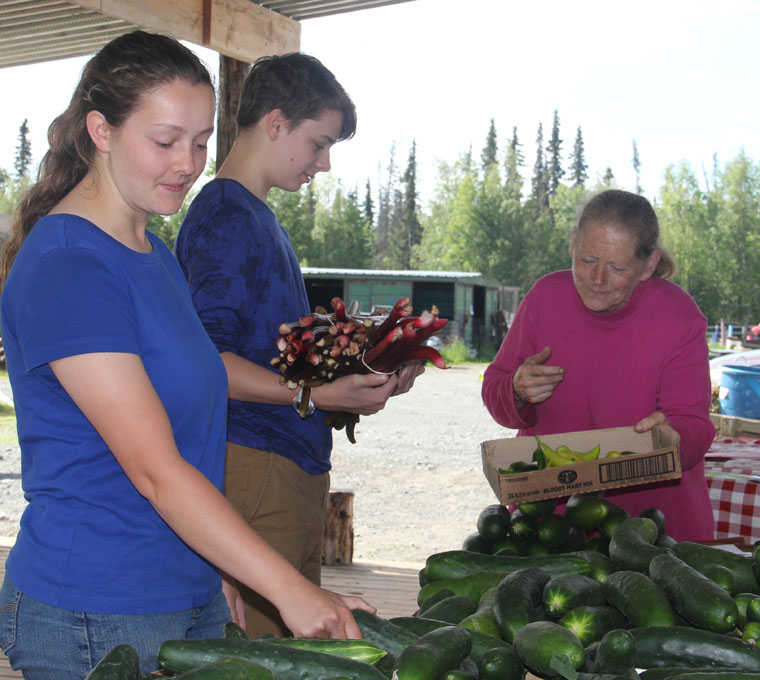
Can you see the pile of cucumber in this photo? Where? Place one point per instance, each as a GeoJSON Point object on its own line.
{"type": "Point", "coordinates": [589, 593]}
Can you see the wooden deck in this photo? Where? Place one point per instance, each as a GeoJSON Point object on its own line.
{"type": "Point", "coordinates": [391, 588]}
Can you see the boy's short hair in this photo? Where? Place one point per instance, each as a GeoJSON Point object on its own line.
{"type": "Point", "coordinates": [297, 84]}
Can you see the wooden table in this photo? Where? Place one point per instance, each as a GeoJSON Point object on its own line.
{"type": "Point", "coordinates": [391, 588]}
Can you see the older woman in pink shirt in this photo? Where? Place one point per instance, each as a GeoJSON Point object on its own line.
{"type": "Point", "coordinates": [613, 343]}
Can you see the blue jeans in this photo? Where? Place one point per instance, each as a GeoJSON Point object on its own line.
{"type": "Point", "coordinates": [48, 643]}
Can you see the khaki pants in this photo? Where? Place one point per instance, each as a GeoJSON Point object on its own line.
{"type": "Point", "coordinates": [286, 507]}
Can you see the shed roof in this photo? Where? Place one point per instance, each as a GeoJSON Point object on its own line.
{"type": "Point", "coordinates": [473, 278]}
{"type": "Point", "coordinates": [41, 30]}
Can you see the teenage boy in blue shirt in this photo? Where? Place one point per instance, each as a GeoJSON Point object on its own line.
{"type": "Point", "coordinates": [245, 281]}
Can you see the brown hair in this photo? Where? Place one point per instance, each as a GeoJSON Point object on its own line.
{"type": "Point", "coordinates": [637, 217]}
{"type": "Point", "coordinates": [297, 84]}
{"type": "Point", "coordinates": [112, 82]}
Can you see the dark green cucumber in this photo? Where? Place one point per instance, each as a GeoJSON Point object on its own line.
{"type": "Point", "coordinates": [383, 633]}
{"type": "Point", "coordinates": [553, 530]}
{"type": "Point", "coordinates": [589, 624]}
{"type": "Point", "coordinates": [614, 519]}
{"type": "Point", "coordinates": [459, 563]}
{"type": "Point", "coordinates": [228, 668]}
{"type": "Point", "coordinates": [477, 543]}
{"type": "Point", "coordinates": [538, 508]}
{"type": "Point", "coordinates": [452, 609]}
{"type": "Point", "coordinates": [501, 663]}
{"type": "Point", "coordinates": [715, 675]}
{"type": "Point", "coordinates": [120, 663]}
{"type": "Point", "coordinates": [519, 600]}
{"type": "Point", "coordinates": [699, 556]}
{"type": "Point", "coordinates": [721, 575]}
{"type": "Point", "coordinates": [563, 593]}
{"type": "Point", "coordinates": [587, 512]}
{"type": "Point", "coordinates": [632, 545]}
{"type": "Point", "coordinates": [702, 602]}
{"type": "Point", "coordinates": [606, 676]}
{"type": "Point", "coordinates": [616, 653]}
{"type": "Point", "coordinates": [359, 650]}
{"type": "Point", "coordinates": [599, 543]}
{"type": "Point", "coordinates": [639, 599]}
{"type": "Point", "coordinates": [692, 647]}
{"type": "Point", "coordinates": [481, 642]}
{"type": "Point", "coordinates": [434, 599]}
{"type": "Point", "coordinates": [234, 632]}
{"type": "Point", "coordinates": [472, 586]}
{"type": "Point", "coordinates": [751, 632]}
{"type": "Point", "coordinates": [434, 654]}
{"type": "Point", "coordinates": [482, 619]}
{"type": "Point", "coordinates": [457, 674]}
{"type": "Point", "coordinates": [667, 672]}
{"type": "Point", "coordinates": [658, 517]}
{"type": "Point", "coordinates": [523, 527]}
{"type": "Point", "coordinates": [742, 600]}
{"type": "Point", "coordinates": [493, 522]}
{"type": "Point", "coordinates": [601, 565]}
{"type": "Point", "coordinates": [537, 644]}
{"type": "Point", "coordinates": [287, 663]}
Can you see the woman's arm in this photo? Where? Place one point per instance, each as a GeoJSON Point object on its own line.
{"type": "Point", "coordinates": [362, 394]}
{"type": "Point", "coordinates": [115, 394]}
{"type": "Point", "coordinates": [498, 390]}
{"type": "Point", "coordinates": [684, 394]}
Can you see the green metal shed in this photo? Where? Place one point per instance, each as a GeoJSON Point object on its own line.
{"type": "Point", "coordinates": [478, 309]}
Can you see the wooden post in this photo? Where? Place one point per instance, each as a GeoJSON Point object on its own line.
{"type": "Point", "coordinates": [232, 74]}
{"type": "Point", "coordinates": [338, 539]}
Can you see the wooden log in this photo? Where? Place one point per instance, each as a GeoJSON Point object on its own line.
{"type": "Point", "coordinates": [338, 538]}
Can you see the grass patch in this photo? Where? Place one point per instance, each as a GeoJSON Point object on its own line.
{"type": "Point", "coordinates": [456, 352]}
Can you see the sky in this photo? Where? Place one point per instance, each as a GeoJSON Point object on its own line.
{"type": "Point", "coordinates": [680, 78]}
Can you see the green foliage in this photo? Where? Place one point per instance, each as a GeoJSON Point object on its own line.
{"type": "Point", "coordinates": [23, 152]}
{"type": "Point", "coordinates": [455, 352]}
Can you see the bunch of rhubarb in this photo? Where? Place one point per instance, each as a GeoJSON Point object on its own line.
{"type": "Point", "coordinates": [323, 346]}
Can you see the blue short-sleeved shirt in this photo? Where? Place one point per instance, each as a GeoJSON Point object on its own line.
{"type": "Point", "coordinates": [88, 540]}
{"type": "Point", "coordinates": [245, 281]}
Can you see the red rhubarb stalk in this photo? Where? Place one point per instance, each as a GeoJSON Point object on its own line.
{"type": "Point", "coordinates": [376, 350]}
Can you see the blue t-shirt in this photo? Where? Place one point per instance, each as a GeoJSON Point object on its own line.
{"type": "Point", "coordinates": [88, 540]}
{"type": "Point", "coordinates": [245, 281]}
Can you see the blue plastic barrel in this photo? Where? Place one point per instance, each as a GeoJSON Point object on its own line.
{"type": "Point", "coordinates": [740, 391]}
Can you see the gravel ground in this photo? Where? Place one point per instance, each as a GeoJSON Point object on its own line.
{"type": "Point", "coordinates": [415, 469]}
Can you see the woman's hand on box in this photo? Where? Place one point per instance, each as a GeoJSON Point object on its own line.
{"type": "Point", "coordinates": [657, 419]}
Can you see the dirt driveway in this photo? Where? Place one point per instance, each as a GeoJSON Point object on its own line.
{"type": "Point", "coordinates": [416, 468]}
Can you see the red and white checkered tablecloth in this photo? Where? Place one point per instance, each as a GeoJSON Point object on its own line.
{"type": "Point", "coordinates": [732, 471]}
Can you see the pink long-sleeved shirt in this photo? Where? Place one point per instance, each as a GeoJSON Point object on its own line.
{"type": "Point", "coordinates": [621, 366]}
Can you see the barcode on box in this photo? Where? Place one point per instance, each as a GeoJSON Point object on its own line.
{"type": "Point", "coordinates": [636, 468]}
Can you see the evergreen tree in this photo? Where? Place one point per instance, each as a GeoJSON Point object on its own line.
{"type": "Point", "coordinates": [23, 151]}
{"type": "Point", "coordinates": [513, 161]}
{"type": "Point", "coordinates": [384, 209]}
{"type": "Point", "coordinates": [578, 166]}
{"type": "Point", "coordinates": [488, 155]}
{"type": "Point", "coordinates": [637, 167]}
{"type": "Point", "coordinates": [369, 206]}
{"type": "Point", "coordinates": [539, 186]}
{"type": "Point", "coordinates": [608, 179]}
{"type": "Point", "coordinates": [411, 230]}
{"type": "Point", "coordinates": [554, 160]}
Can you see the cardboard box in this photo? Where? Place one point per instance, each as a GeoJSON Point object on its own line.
{"type": "Point", "coordinates": [657, 458]}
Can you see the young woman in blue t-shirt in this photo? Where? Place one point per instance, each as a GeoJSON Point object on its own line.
{"type": "Point", "coordinates": [120, 395]}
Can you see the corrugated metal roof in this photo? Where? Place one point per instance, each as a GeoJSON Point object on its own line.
{"type": "Point", "coordinates": [312, 9]}
{"type": "Point", "coordinates": [442, 276]}
{"type": "Point", "coordinates": [32, 31]}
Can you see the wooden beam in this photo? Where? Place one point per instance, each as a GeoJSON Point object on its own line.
{"type": "Point", "coordinates": [240, 29]}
